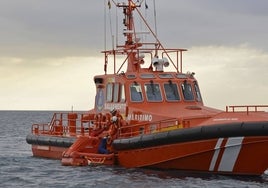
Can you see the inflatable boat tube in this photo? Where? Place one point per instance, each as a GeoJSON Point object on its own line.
{"type": "Point", "coordinates": [50, 140]}
{"type": "Point", "coordinates": [193, 134]}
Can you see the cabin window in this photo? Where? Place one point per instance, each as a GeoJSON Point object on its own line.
{"type": "Point", "coordinates": [197, 92]}
{"type": "Point", "coordinates": [109, 92]}
{"type": "Point", "coordinates": [171, 91]}
{"type": "Point", "coordinates": [165, 75]}
{"type": "Point", "coordinates": [122, 95]}
{"type": "Point", "coordinates": [153, 92]}
{"type": "Point", "coordinates": [116, 92]}
{"type": "Point", "coordinates": [187, 91]}
{"type": "Point", "coordinates": [135, 92]}
{"type": "Point", "coordinates": [147, 76]}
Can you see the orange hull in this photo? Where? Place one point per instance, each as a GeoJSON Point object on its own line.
{"type": "Point", "coordinates": [223, 155]}
{"type": "Point", "coordinates": [57, 153]}
{"type": "Point", "coordinates": [51, 152]}
{"type": "Point", "coordinates": [216, 156]}
{"type": "Point", "coordinates": [85, 152]}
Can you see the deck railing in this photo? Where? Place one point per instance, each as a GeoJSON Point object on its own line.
{"type": "Point", "coordinates": [149, 127]}
{"type": "Point", "coordinates": [74, 124]}
{"type": "Point", "coordinates": [246, 108]}
{"type": "Point", "coordinates": [65, 124]}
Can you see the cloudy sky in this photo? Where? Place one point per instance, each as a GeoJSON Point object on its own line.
{"type": "Point", "coordinates": [49, 50]}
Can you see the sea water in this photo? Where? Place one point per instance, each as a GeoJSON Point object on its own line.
{"type": "Point", "coordinates": [18, 168]}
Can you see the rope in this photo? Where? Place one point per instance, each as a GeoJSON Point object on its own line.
{"type": "Point", "coordinates": [105, 37]}
{"type": "Point", "coordinates": [155, 25]}
{"type": "Point", "coordinates": [111, 28]}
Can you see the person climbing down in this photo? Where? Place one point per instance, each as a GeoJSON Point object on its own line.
{"type": "Point", "coordinates": [102, 149]}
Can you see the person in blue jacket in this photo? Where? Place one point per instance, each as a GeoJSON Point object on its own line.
{"type": "Point", "coordinates": [102, 147]}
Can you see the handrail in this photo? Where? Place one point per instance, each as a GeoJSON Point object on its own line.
{"type": "Point", "coordinates": [62, 124]}
{"type": "Point", "coordinates": [176, 61]}
{"type": "Point", "coordinates": [149, 127]}
{"type": "Point", "coordinates": [247, 108]}
{"type": "Point", "coordinates": [75, 124]}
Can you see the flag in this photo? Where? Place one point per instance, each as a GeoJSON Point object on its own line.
{"type": "Point", "coordinates": [146, 6]}
{"type": "Point", "coordinates": [109, 4]}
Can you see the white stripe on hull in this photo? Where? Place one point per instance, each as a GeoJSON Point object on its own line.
{"type": "Point", "coordinates": [43, 147]}
{"type": "Point", "coordinates": [216, 154]}
{"type": "Point", "coordinates": [231, 151]}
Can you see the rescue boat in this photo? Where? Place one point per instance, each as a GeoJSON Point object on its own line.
{"type": "Point", "coordinates": [151, 114]}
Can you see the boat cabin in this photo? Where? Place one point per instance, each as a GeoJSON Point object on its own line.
{"type": "Point", "coordinates": [146, 91]}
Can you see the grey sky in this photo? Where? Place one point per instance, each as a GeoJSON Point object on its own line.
{"type": "Point", "coordinates": [75, 27]}
{"type": "Point", "coordinates": [49, 50]}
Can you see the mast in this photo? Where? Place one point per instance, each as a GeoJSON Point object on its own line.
{"type": "Point", "coordinates": [135, 50]}
{"type": "Point", "coordinates": [131, 44]}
